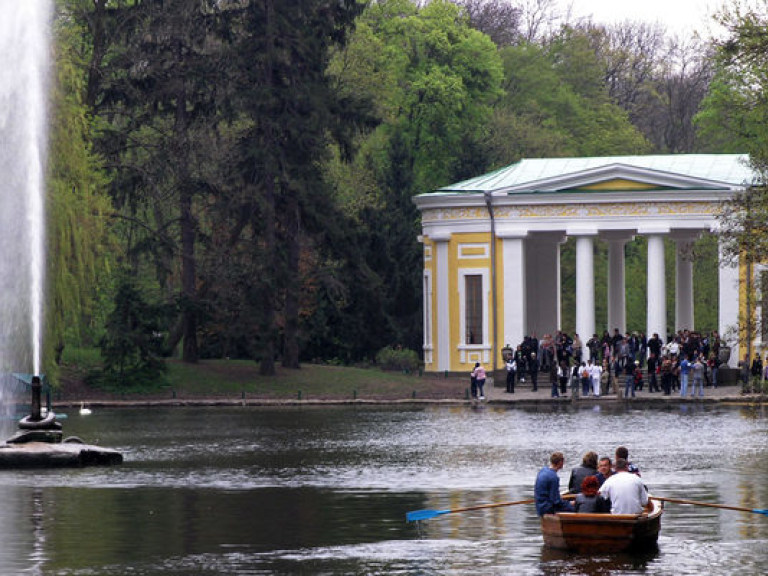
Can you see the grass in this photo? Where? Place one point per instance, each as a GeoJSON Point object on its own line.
{"type": "Point", "coordinates": [232, 378]}
{"type": "Point", "coordinates": [214, 377]}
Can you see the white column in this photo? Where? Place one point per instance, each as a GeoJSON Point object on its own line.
{"type": "Point", "coordinates": [657, 288]}
{"type": "Point", "coordinates": [729, 304]}
{"type": "Point", "coordinates": [617, 299]}
{"type": "Point", "coordinates": [443, 331]}
{"type": "Point", "coordinates": [513, 250]}
{"type": "Point", "coordinates": [683, 284]}
{"type": "Point", "coordinates": [585, 287]}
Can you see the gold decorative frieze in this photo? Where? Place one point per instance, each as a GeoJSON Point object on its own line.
{"type": "Point", "coordinates": [603, 210]}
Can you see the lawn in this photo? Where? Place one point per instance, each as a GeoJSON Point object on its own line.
{"type": "Point", "coordinates": [233, 378]}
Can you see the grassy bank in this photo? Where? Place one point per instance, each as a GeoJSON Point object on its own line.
{"type": "Point", "coordinates": [233, 378]}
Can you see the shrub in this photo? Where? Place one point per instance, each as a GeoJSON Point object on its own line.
{"type": "Point", "coordinates": [397, 359]}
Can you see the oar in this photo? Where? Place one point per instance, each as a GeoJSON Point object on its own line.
{"type": "Point", "coordinates": [427, 514]}
{"type": "Point", "coordinates": [723, 506]}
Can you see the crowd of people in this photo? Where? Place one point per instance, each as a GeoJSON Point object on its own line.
{"type": "Point", "coordinates": [595, 486]}
{"type": "Point", "coordinates": [687, 361]}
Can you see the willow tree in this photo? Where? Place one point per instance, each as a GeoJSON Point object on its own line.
{"type": "Point", "coordinates": [80, 245]}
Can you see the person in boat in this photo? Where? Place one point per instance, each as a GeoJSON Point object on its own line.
{"type": "Point", "coordinates": [587, 468]}
{"type": "Point", "coordinates": [622, 452]}
{"type": "Point", "coordinates": [604, 470]}
{"type": "Point", "coordinates": [625, 490]}
{"type": "Point", "coordinates": [588, 500]}
{"type": "Point", "coordinates": [546, 491]}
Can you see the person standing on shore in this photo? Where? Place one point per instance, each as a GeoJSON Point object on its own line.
{"type": "Point", "coordinates": [697, 371]}
{"type": "Point", "coordinates": [594, 374]}
{"type": "Point", "coordinates": [554, 381]}
{"type": "Point", "coordinates": [563, 375]}
{"type": "Point", "coordinates": [479, 374]}
{"type": "Point", "coordinates": [511, 370]}
{"type": "Point", "coordinates": [629, 382]}
{"type": "Point", "coordinates": [653, 383]}
{"type": "Point", "coordinates": [685, 371]}
{"type": "Point", "coordinates": [533, 370]}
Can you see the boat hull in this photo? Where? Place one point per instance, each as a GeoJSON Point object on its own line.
{"type": "Point", "coordinates": [602, 533]}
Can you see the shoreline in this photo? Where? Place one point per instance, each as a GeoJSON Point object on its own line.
{"type": "Point", "coordinates": [727, 395]}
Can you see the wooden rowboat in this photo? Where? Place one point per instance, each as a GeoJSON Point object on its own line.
{"type": "Point", "coordinates": [602, 533]}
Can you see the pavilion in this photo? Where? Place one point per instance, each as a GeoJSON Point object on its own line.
{"type": "Point", "coordinates": [492, 248]}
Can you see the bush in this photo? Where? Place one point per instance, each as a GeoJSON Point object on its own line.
{"type": "Point", "coordinates": [397, 359]}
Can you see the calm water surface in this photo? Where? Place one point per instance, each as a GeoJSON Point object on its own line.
{"type": "Point", "coordinates": [325, 490]}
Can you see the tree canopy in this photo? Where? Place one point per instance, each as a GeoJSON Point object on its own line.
{"type": "Point", "coordinates": [241, 172]}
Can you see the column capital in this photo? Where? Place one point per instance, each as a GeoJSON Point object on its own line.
{"type": "Point", "coordinates": [439, 236]}
{"type": "Point", "coordinates": [506, 231]}
{"type": "Point", "coordinates": [581, 231]}
{"type": "Point", "coordinates": [654, 230]}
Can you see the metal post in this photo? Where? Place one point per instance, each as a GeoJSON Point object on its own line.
{"type": "Point", "coordinates": [35, 413]}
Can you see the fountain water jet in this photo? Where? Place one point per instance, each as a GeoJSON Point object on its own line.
{"type": "Point", "coordinates": [24, 70]}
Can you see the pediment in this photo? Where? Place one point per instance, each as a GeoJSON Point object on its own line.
{"type": "Point", "coordinates": [616, 177]}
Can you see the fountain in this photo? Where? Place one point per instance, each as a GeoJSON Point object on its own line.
{"type": "Point", "coordinates": [24, 70]}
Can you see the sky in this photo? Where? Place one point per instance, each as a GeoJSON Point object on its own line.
{"type": "Point", "coordinates": [678, 16]}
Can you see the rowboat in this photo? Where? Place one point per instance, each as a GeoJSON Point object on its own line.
{"type": "Point", "coordinates": [603, 533]}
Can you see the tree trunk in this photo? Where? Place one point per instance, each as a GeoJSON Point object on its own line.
{"type": "Point", "coordinates": [267, 281]}
{"type": "Point", "coordinates": [187, 224]}
{"type": "Point", "coordinates": [293, 283]}
{"type": "Point", "coordinates": [268, 284]}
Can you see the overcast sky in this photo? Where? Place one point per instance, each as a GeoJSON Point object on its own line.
{"type": "Point", "coordinates": [678, 16]}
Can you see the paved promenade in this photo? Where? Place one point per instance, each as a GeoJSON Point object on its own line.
{"type": "Point", "coordinates": [524, 394]}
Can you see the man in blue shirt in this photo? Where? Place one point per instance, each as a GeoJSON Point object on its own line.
{"type": "Point", "coordinates": [685, 370]}
{"type": "Point", "coordinates": [546, 491]}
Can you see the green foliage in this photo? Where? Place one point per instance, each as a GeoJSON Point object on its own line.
{"type": "Point", "coordinates": [557, 104]}
{"type": "Point", "coordinates": [262, 159]}
{"type": "Point", "coordinates": [734, 115]}
{"type": "Point", "coordinates": [80, 246]}
{"type": "Point", "coordinates": [390, 358]}
{"type": "Point", "coordinates": [132, 345]}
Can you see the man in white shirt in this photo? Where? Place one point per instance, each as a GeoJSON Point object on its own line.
{"type": "Point", "coordinates": [594, 373]}
{"type": "Point", "coordinates": [625, 490]}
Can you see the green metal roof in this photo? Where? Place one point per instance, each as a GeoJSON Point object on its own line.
{"type": "Point", "coordinates": [527, 175]}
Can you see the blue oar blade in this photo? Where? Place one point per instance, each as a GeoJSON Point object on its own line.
{"type": "Point", "coordinates": [423, 514]}
{"type": "Point", "coordinates": [759, 511]}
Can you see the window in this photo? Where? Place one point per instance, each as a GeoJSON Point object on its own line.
{"type": "Point", "coordinates": [473, 308]}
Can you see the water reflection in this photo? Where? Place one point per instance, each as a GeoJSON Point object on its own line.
{"type": "Point", "coordinates": [325, 490]}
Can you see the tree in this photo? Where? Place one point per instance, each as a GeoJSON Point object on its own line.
{"type": "Point", "coordinates": [131, 344]}
{"type": "Point", "coordinates": [499, 19]}
{"type": "Point", "coordinates": [158, 102]}
{"type": "Point", "coordinates": [431, 81]}
{"type": "Point", "coordinates": [283, 91]}
{"type": "Point", "coordinates": [80, 245]}
{"type": "Point", "coordinates": [557, 104]}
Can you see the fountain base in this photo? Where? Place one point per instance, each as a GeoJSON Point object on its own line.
{"type": "Point", "coordinates": [70, 453]}
{"type": "Point", "coordinates": [40, 443]}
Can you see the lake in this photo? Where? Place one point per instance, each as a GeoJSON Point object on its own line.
{"type": "Point", "coordinates": [324, 490]}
